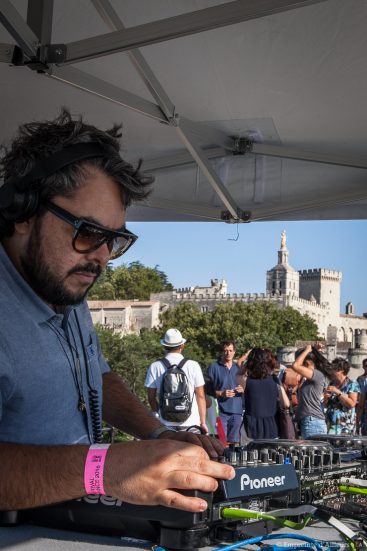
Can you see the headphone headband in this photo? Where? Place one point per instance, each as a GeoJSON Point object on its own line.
{"type": "Point", "coordinates": [51, 164]}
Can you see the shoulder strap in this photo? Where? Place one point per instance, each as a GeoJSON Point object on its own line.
{"type": "Point", "coordinates": [167, 365]}
{"type": "Point", "coordinates": [182, 363]}
{"type": "Point", "coordinates": [165, 362]}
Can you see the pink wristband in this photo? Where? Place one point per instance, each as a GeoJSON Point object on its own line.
{"type": "Point", "coordinates": [93, 469]}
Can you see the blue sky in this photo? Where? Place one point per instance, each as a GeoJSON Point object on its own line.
{"type": "Point", "coordinates": [194, 253]}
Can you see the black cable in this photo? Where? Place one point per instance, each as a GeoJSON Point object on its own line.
{"type": "Point", "coordinates": [94, 409]}
{"type": "Point", "coordinates": [195, 428]}
{"type": "Point", "coordinates": [73, 367]}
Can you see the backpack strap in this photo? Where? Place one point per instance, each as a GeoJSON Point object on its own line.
{"type": "Point", "coordinates": [165, 362]}
{"type": "Point", "coordinates": [182, 363]}
{"type": "Point", "coordinates": [167, 365]}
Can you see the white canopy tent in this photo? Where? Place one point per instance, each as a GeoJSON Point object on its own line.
{"type": "Point", "coordinates": [245, 110]}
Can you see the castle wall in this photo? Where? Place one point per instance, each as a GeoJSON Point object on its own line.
{"type": "Point", "coordinates": [324, 285]}
{"type": "Point", "coordinates": [207, 302]}
{"type": "Point", "coordinates": [125, 316]}
{"type": "Point", "coordinates": [319, 313]}
{"type": "Point", "coordinates": [348, 326]}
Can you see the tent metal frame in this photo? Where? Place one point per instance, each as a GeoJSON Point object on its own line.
{"type": "Point", "coordinates": [34, 50]}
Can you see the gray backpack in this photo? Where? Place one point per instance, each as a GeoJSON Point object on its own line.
{"type": "Point", "coordinates": [175, 401]}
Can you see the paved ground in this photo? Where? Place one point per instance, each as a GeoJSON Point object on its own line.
{"type": "Point", "coordinates": [28, 538]}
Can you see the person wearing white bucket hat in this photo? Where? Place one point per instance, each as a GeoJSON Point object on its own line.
{"type": "Point", "coordinates": [173, 343]}
{"type": "Point", "coordinates": [172, 339]}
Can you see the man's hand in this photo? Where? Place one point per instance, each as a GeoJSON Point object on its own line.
{"type": "Point", "coordinates": [212, 446]}
{"type": "Point", "coordinates": [239, 389]}
{"type": "Point", "coordinates": [150, 473]}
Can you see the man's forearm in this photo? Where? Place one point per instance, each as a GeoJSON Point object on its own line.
{"type": "Point", "coordinates": [137, 472]}
{"type": "Point", "coordinates": [32, 476]}
{"type": "Point", "coordinates": [124, 410]}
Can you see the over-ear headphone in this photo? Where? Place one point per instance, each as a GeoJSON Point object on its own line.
{"type": "Point", "coordinates": [20, 198]}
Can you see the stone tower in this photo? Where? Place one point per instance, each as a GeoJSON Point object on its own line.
{"type": "Point", "coordinates": [324, 286]}
{"type": "Point", "coordinates": [282, 279]}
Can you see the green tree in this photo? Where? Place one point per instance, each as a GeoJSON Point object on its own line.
{"type": "Point", "coordinates": [260, 324]}
{"type": "Point", "coordinates": [188, 318]}
{"type": "Point", "coordinates": [130, 281]}
{"type": "Point", "coordinates": [103, 289]}
{"type": "Point", "coordinates": [293, 326]}
{"type": "Point", "coordinates": [130, 356]}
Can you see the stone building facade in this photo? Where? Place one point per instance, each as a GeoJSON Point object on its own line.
{"type": "Point", "coordinates": [125, 316]}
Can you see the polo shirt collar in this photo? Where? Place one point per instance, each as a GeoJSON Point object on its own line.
{"type": "Point", "coordinates": [221, 362]}
{"type": "Point", "coordinates": [30, 301]}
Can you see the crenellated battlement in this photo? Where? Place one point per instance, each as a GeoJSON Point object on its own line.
{"type": "Point", "coordinates": [218, 288]}
{"type": "Point", "coordinates": [320, 273]}
{"type": "Point", "coordinates": [185, 290]}
{"type": "Point", "coordinates": [297, 300]}
{"type": "Point", "coordinates": [220, 299]}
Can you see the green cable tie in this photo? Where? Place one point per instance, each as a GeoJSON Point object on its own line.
{"type": "Point", "coordinates": [353, 490]}
{"type": "Point", "coordinates": [228, 512]}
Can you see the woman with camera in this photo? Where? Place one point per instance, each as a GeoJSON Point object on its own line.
{"type": "Point", "coordinates": [341, 398]}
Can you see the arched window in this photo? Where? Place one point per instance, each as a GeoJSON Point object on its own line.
{"type": "Point", "coordinates": [349, 309]}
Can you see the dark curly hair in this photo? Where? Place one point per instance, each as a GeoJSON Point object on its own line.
{"type": "Point", "coordinates": [340, 364]}
{"type": "Point", "coordinates": [38, 140]}
{"type": "Point", "coordinates": [320, 362]}
{"type": "Point", "coordinates": [260, 363]}
{"type": "Point", "coordinates": [227, 342]}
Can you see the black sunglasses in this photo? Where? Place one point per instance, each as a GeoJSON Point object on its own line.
{"type": "Point", "coordinates": [89, 236]}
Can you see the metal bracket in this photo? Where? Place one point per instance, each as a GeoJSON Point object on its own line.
{"type": "Point", "coordinates": [242, 216]}
{"type": "Point", "coordinates": [52, 53]}
{"type": "Point", "coordinates": [13, 55]}
{"type": "Point", "coordinates": [242, 145]}
{"type": "Point", "coordinates": [47, 54]}
{"type": "Point", "coordinates": [174, 120]}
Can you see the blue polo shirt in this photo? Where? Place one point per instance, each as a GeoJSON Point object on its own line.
{"type": "Point", "coordinates": [38, 391]}
{"type": "Point", "coordinates": [226, 379]}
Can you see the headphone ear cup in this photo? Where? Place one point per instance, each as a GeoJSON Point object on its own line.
{"type": "Point", "coordinates": [24, 206]}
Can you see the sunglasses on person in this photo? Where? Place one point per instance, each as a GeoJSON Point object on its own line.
{"type": "Point", "coordinates": [88, 236]}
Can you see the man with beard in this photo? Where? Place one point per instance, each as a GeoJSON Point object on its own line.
{"type": "Point", "coordinates": [62, 218]}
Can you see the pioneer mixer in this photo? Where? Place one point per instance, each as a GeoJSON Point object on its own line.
{"type": "Point", "coordinates": [270, 474]}
{"type": "Point", "coordinates": [320, 468]}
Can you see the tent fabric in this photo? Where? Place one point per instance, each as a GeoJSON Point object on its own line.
{"type": "Point", "coordinates": [295, 79]}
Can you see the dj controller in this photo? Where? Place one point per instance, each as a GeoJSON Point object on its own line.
{"type": "Point", "coordinates": [270, 475]}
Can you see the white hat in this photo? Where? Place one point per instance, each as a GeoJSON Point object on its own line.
{"type": "Point", "coordinates": [173, 338]}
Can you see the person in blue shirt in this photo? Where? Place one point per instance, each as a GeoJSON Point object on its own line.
{"type": "Point", "coordinates": [224, 375]}
{"type": "Point", "coordinates": [62, 219]}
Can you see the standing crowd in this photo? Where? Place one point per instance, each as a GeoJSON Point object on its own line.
{"type": "Point", "coordinates": [254, 397]}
